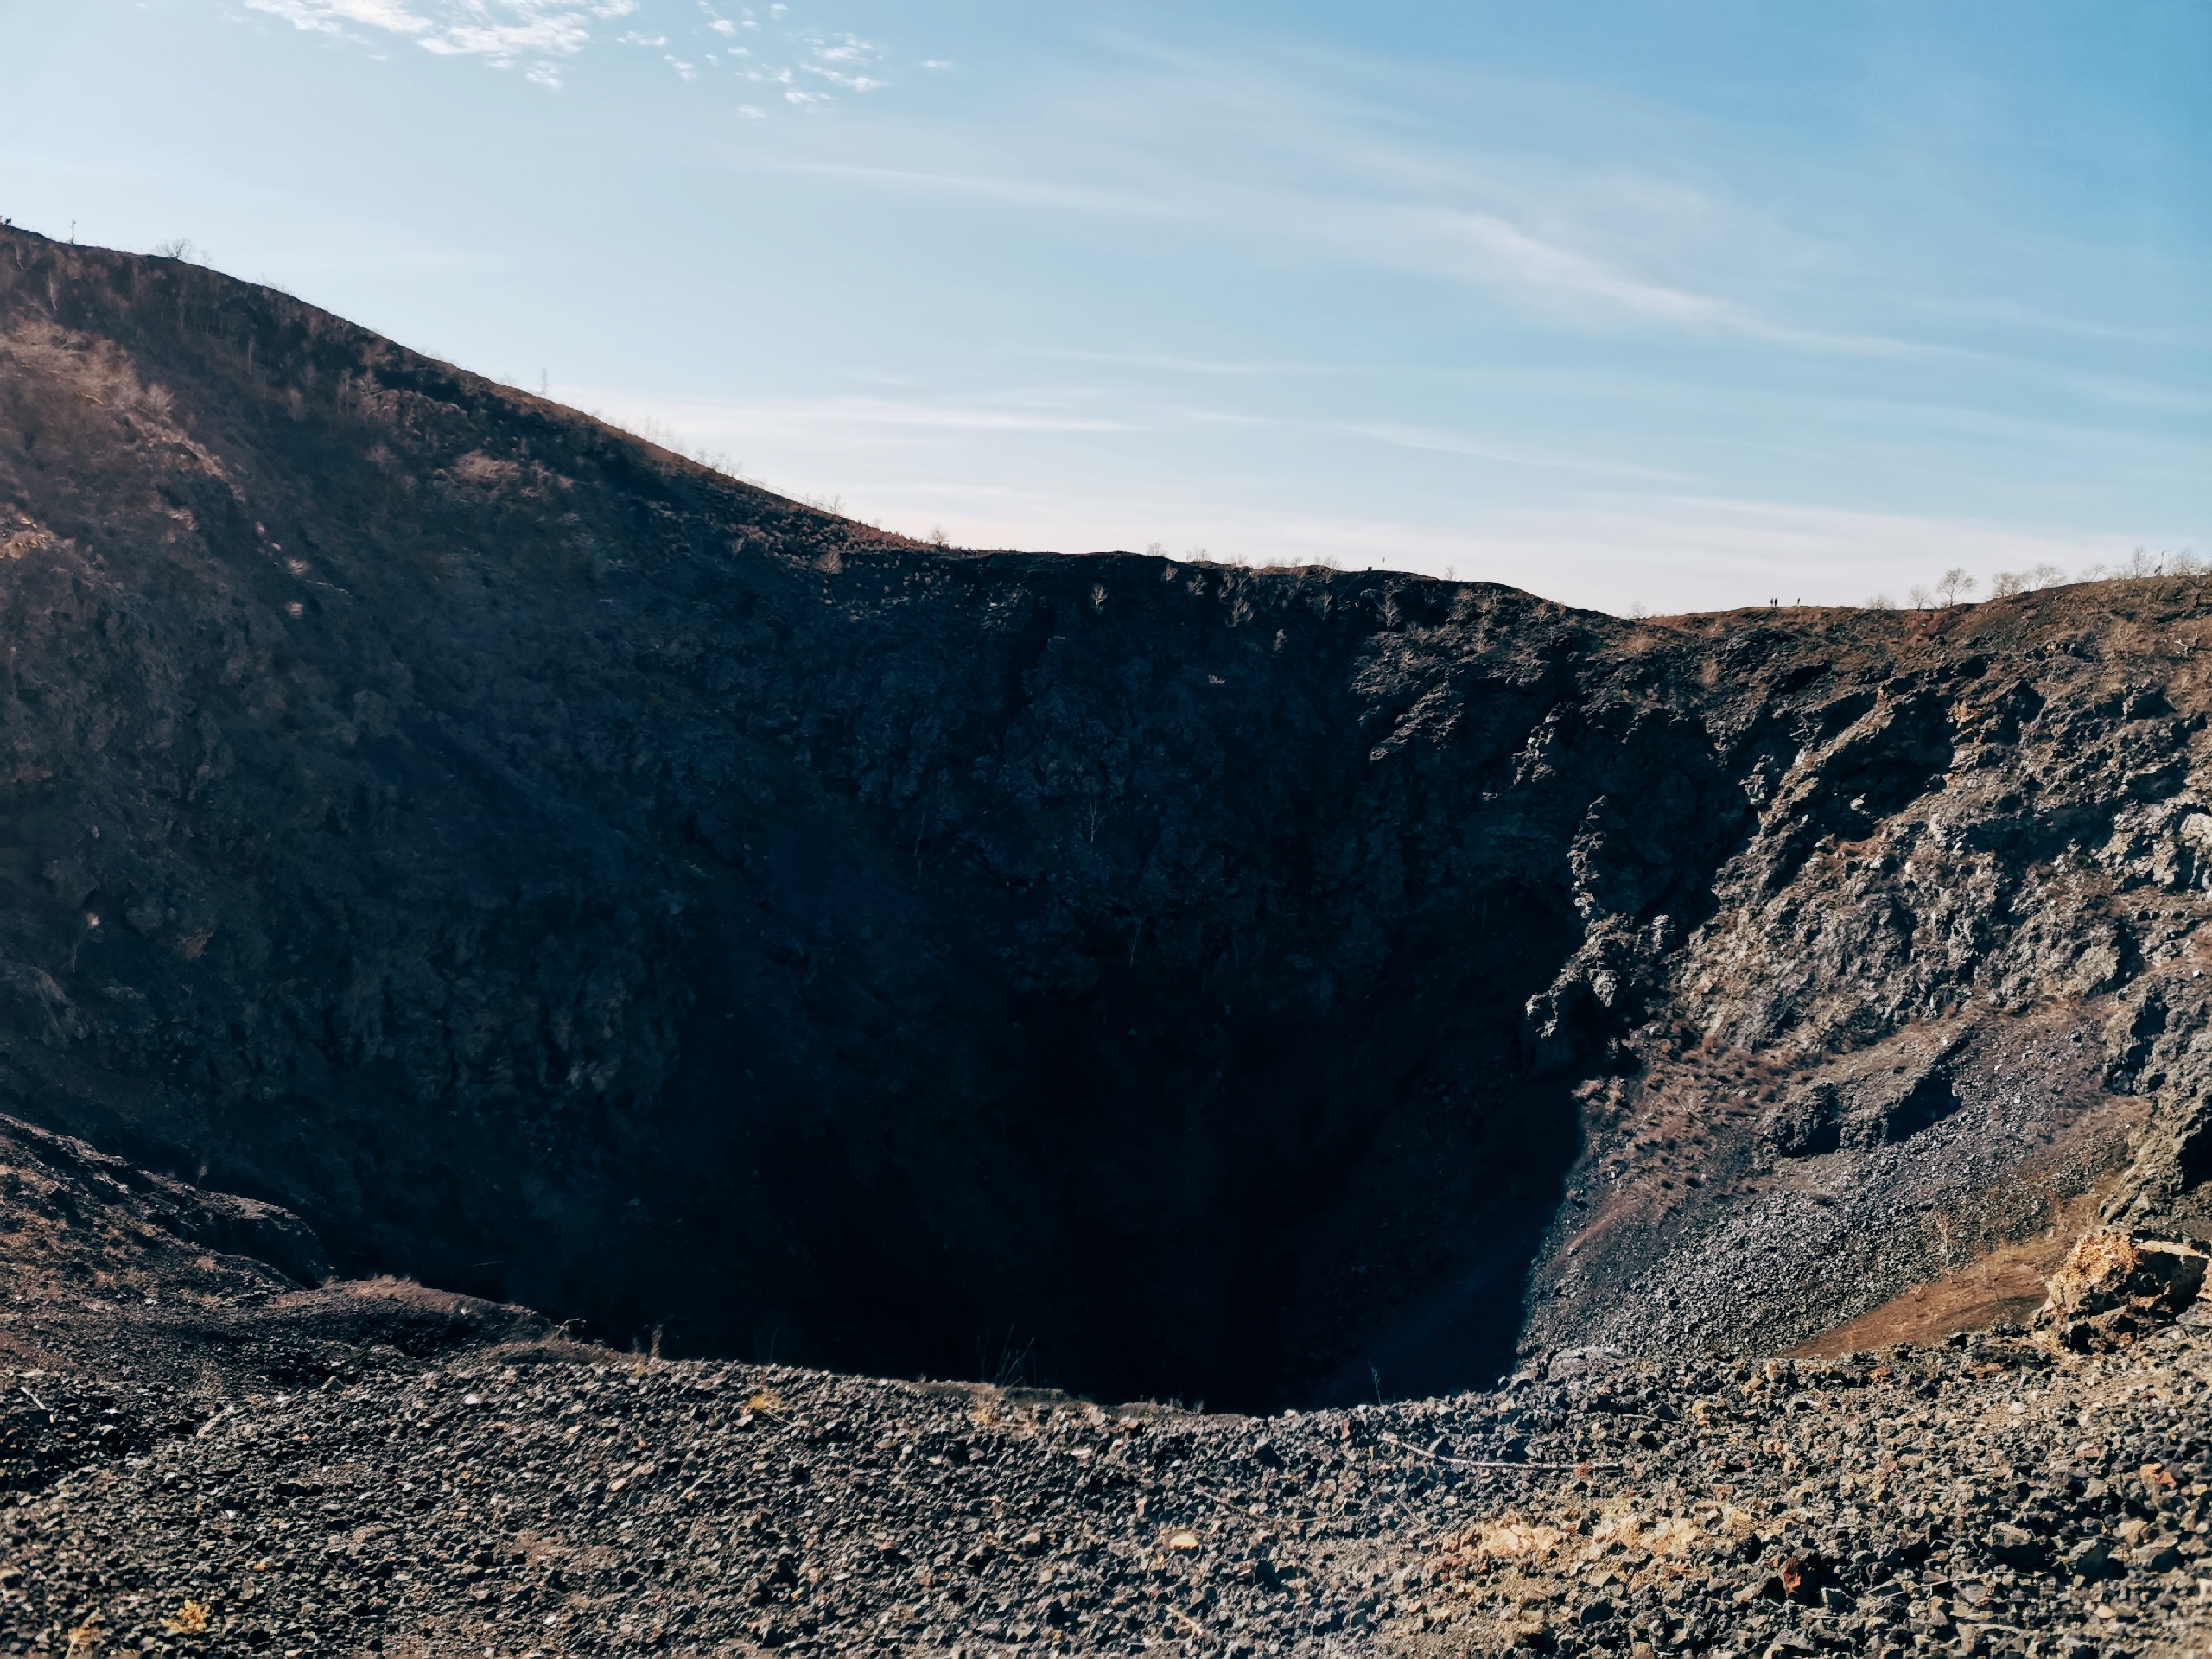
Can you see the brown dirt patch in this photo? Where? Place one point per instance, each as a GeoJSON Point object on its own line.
{"type": "Point", "coordinates": [2008, 1285]}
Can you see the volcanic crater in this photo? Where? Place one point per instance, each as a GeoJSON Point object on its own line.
{"type": "Point", "coordinates": [563, 873]}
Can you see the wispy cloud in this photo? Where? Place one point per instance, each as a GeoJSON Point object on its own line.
{"type": "Point", "coordinates": [1168, 362]}
{"type": "Point", "coordinates": [1239, 150]}
{"type": "Point", "coordinates": [1452, 444]}
{"type": "Point", "coordinates": [1549, 273]}
{"type": "Point", "coordinates": [542, 33]}
{"type": "Point", "coordinates": [847, 50]}
{"type": "Point", "coordinates": [1504, 252]}
{"type": "Point", "coordinates": [725, 420]}
{"type": "Point", "coordinates": [501, 31]}
{"type": "Point", "coordinates": [1027, 191]}
{"type": "Point", "coordinates": [1084, 409]}
{"type": "Point", "coordinates": [1483, 250]}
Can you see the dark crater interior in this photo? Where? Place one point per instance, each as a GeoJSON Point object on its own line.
{"type": "Point", "coordinates": [567, 874]}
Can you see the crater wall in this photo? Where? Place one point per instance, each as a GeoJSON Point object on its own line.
{"type": "Point", "coordinates": [569, 876]}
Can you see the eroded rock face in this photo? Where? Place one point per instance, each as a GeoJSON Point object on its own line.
{"type": "Point", "coordinates": [2117, 1286]}
{"type": "Point", "coordinates": [567, 874]}
{"type": "Point", "coordinates": [1870, 1106]}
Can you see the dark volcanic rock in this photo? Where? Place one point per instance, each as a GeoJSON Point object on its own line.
{"type": "Point", "coordinates": [562, 873]}
{"type": "Point", "coordinates": [367, 1468]}
{"type": "Point", "coordinates": [198, 1458]}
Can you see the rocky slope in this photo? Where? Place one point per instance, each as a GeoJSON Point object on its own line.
{"type": "Point", "coordinates": [563, 873]}
{"type": "Point", "coordinates": [564, 1507]}
{"type": "Point", "coordinates": [204, 1458]}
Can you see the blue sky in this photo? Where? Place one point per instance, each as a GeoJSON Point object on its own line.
{"type": "Point", "coordinates": [1683, 305]}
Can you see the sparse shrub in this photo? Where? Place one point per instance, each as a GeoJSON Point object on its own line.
{"type": "Point", "coordinates": [1880, 602]}
{"type": "Point", "coordinates": [1922, 599]}
{"type": "Point", "coordinates": [2005, 583]}
{"type": "Point", "coordinates": [1954, 585]}
{"type": "Point", "coordinates": [190, 1619]}
{"type": "Point", "coordinates": [178, 247]}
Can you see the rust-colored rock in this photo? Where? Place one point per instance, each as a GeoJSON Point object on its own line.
{"type": "Point", "coordinates": [2117, 1286]}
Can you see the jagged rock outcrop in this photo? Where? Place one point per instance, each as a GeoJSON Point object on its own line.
{"type": "Point", "coordinates": [569, 874]}
{"type": "Point", "coordinates": [63, 1201]}
{"type": "Point", "coordinates": [2117, 1286]}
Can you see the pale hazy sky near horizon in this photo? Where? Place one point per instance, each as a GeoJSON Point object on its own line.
{"type": "Point", "coordinates": [1684, 305]}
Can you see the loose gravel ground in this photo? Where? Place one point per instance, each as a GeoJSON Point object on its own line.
{"type": "Point", "coordinates": [1704, 1228]}
{"type": "Point", "coordinates": [200, 1456]}
{"type": "Point", "coordinates": [531, 1498]}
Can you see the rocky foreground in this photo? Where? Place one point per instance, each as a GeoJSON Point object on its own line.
{"type": "Point", "coordinates": [303, 1495]}
{"type": "Point", "coordinates": [200, 1456]}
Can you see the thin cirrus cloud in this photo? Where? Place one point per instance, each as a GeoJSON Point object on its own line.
{"type": "Point", "coordinates": [1434, 441]}
{"type": "Point", "coordinates": [1073, 410]}
{"type": "Point", "coordinates": [502, 32]}
{"type": "Point", "coordinates": [1501, 248]}
{"type": "Point", "coordinates": [1492, 246]}
{"type": "Point", "coordinates": [723, 420]}
{"type": "Point", "coordinates": [1488, 249]}
{"type": "Point", "coordinates": [1322, 164]}
{"type": "Point", "coordinates": [1235, 149]}
{"type": "Point", "coordinates": [989, 187]}
{"type": "Point", "coordinates": [1478, 248]}
{"type": "Point", "coordinates": [541, 33]}
{"type": "Point", "coordinates": [842, 59]}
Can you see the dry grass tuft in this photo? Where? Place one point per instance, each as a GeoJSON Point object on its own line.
{"type": "Point", "coordinates": [190, 1619]}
